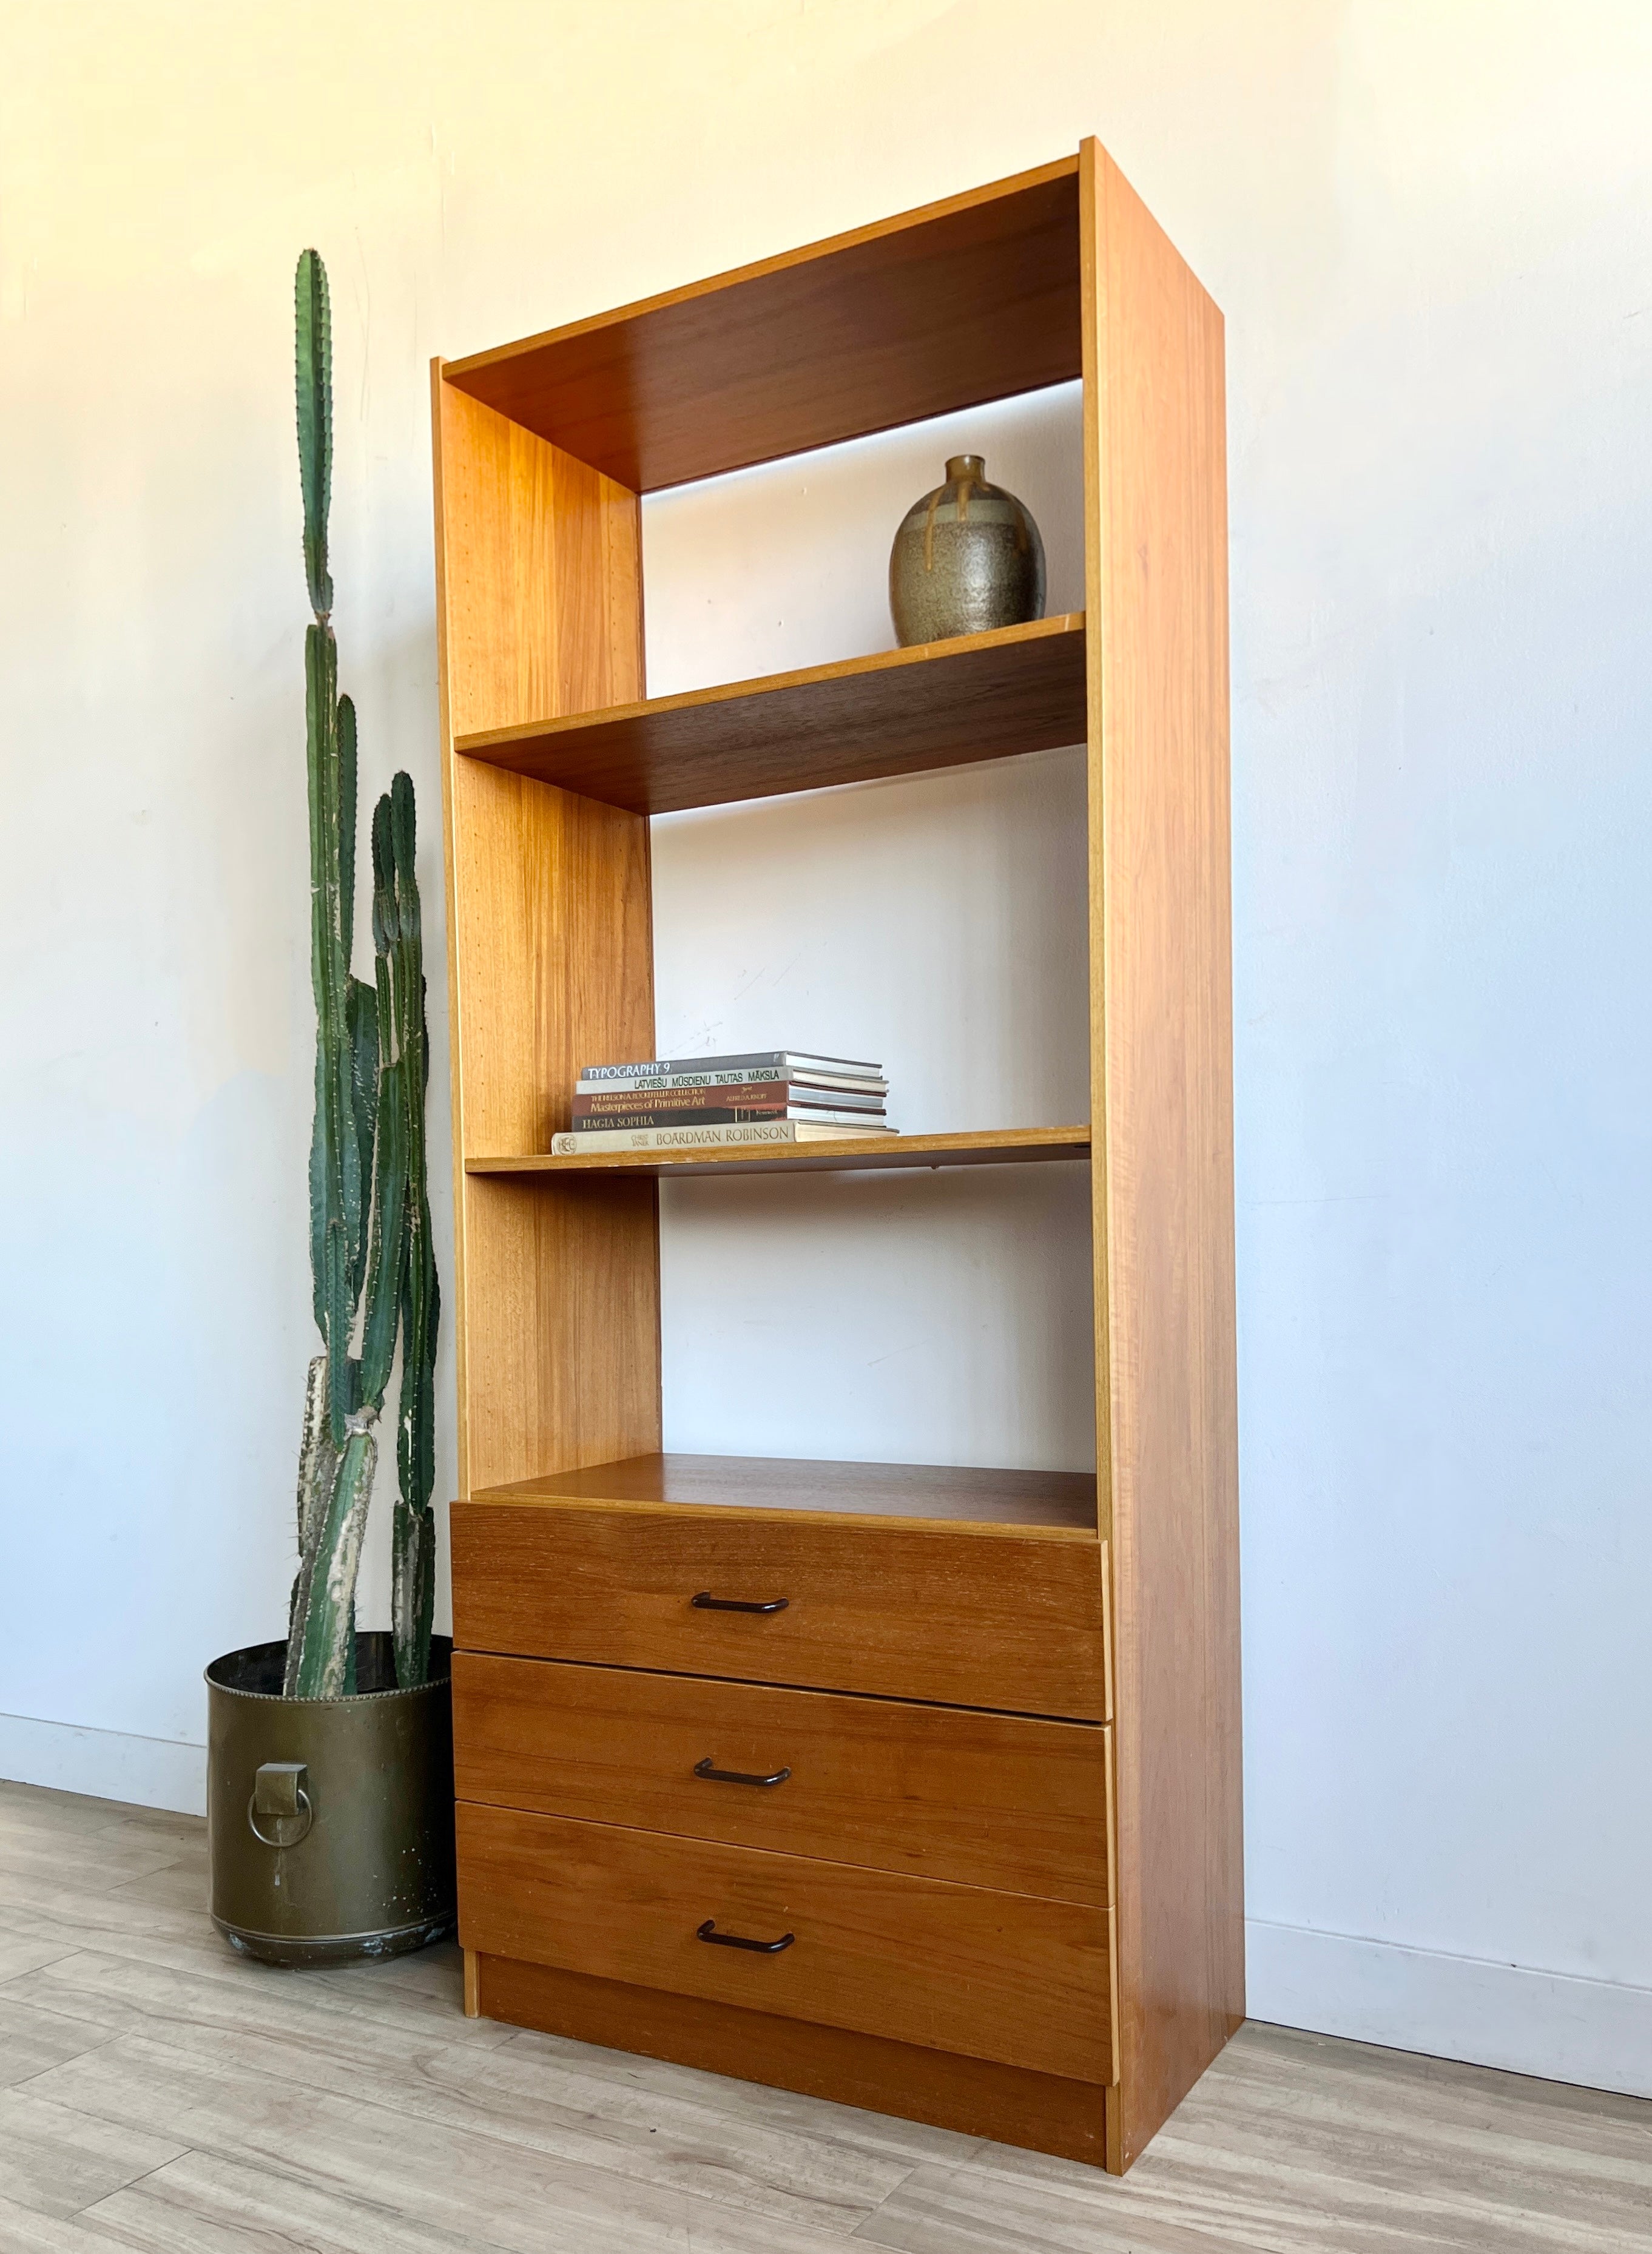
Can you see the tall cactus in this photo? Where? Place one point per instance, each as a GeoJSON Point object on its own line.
{"type": "Point", "coordinates": [403, 1041]}
{"type": "Point", "coordinates": [372, 1261]}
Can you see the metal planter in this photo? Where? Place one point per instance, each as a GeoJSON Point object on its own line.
{"type": "Point", "coordinates": [330, 1821]}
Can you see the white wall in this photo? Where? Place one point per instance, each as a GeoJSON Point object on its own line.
{"type": "Point", "coordinates": [1426, 225]}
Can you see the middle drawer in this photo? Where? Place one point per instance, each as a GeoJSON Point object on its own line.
{"type": "Point", "coordinates": [981, 1799]}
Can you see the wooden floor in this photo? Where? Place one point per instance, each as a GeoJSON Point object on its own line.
{"type": "Point", "coordinates": [159, 2093]}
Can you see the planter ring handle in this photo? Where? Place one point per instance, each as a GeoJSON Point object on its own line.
{"type": "Point", "coordinates": [279, 1795]}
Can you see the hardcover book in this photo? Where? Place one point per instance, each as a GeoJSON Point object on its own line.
{"type": "Point", "coordinates": [693, 1139]}
{"type": "Point", "coordinates": [720, 1115]}
{"type": "Point", "coordinates": [740, 1076]}
{"type": "Point", "coordinates": [786, 1061]}
{"type": "Point", "coordinates": [739, 1095]}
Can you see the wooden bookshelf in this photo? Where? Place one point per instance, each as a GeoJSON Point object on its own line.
{"type": "Point", "coordinates": [852, 1626]}
{"type": "Point", "coordinates": [942, 704]}
{"type": "Point", "coordinates": [1011, 1146]}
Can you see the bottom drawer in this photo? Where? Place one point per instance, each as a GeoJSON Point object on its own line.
{"type": "Point", "coordinates": [1004, 1976]}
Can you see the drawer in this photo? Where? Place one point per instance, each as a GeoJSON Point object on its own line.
{"type": "Point", "coordinates": [950, 1967]}
{"type": "Point", "coordinates": [967, 1616]}
{"type": "Point", "coordinates": [983, 1800]}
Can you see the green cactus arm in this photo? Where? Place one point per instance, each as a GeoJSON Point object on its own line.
{"type": "Point", "coordinates": [318, 1468]}
{"type": "Point", "coordinates": [361, 1019]}
{"type": "Point", "coordinates": [315, 1447]}
{"type": "Point", "coordinates": [314, 339]}
{"type": "Point", "coordinates": [417, 1469]}
{"type": "Point", "coordinates": [345, 723]}
{"type": "Point", "coordinates": [413, 1547]}
{"type": "Point", "coordinates": [385, 928]}
{"type": "Point", "coordinates": [320, 1650]}
{"type": "Point", "coordinates": [388, 1254]}
{"type": "Point", "coordinates": [335, 1292]}
{"type": "Point", "coordinates": [331, 1165]}
{"type": "Point", "coordinates": [321, 752]}
{"type": "Point", "coordinates": [413, 1596]}
{"type": "Point", "coordinates": [413, 1544]}
{"type": "Point", "coordinates": [318, 1200]}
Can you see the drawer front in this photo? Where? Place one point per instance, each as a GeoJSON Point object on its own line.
{"type": "Point", "coordinates": [950, 1967]}
{"type": "Point", "coordinates": [979, 1799]}
{"type": "Point", "coordinates": [968, 1618]}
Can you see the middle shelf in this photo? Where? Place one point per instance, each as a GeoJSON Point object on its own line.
{"type": "Point", "coordinates": [982, 696]}
{"type": "Point", "coordinates": [1002, 1146]}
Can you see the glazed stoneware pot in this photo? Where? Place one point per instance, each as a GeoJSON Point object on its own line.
{"type": "Point", "coordinates": [967, 557]}
{"type": "Point", "coordinates": [330, 1821]}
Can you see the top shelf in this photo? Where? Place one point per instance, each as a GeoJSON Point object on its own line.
{"type": "Point", "coordinates": [943, 308]}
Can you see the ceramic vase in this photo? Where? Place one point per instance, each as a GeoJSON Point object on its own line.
{"type": "Point", "coordinates": [967, 557]}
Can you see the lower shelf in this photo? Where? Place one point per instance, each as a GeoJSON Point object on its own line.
{"type": "Point", "coordinates": [1003, 1147]}
{"type": "Point", "coordinates": [1040, 2112]}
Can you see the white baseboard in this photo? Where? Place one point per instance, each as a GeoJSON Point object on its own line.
{"type": "Point", "coordinates": [104, 1764]}
{"type": "Point", "coordinates": [1595, 2033]}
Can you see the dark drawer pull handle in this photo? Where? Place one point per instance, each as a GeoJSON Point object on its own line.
{"type": "Point", "coordinates": [706, 1602]}
{"type": "Point", "coordinates": [709, 1932]}
{"type": "Point", "coordinates": [736, 1776]}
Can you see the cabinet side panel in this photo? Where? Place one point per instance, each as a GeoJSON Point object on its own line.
{"type": "Point", "coordinates": [562, 1316]}
{"type": "Point", "coordinates": [542, 570]}
{"type": "Point", "coordinates": [1156, 510]}
{"type": "Point", "coordinates": [549, 951]}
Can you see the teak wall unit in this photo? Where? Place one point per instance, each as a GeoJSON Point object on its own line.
{"type": "Point", "coordinates": [1005, 1843]}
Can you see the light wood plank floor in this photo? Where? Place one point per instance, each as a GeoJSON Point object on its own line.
{"type": "Point", "coordinates": [156, 2092]}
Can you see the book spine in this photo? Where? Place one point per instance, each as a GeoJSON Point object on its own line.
{"type": "Point", "coordinates": [717, 1115]}
{"type": "Point", "coordinates": [740, 1095]}
{"type": "Point", "coordinates": [668, 1067]}
{"type": "Point", "coordinates": [670, 1138]}
{"type": "Point", "coordinates": [592, 1083]}
{"type": "Point", "coordinates": [746, 1076]}
{"type": "Point", "coordinates": [784, 1061]}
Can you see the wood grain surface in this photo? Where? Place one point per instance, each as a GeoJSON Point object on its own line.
{"type": "Point", "coordinates": [1006, 1146]}
{"type": "Point", "coordinates": [948, 1494]}
{"type": "Point", "coordinates": [1005, 1618]}
{"type": "Point", "coordinates": [359, 2111]}
{"type": "Point", "coordinates": [946, 1968]}
{"type": "Point", "coordinates": [541, 573]}
{"type": "Point", "coordinates": [556, 1289]}
{"type": "Point", "coordinates": [1156, 594]}
{"type": "Point", "coordinates": [975, 2097]}
{"type": "Point", "coordinates": [981, 697]}
{"type": "Point", "coordinates": [971, 299]}
{"type": "Point", "coordinates": [979, 1800]}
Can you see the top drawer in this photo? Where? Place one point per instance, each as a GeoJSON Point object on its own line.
{"type": "Point", "coordinates": [1000, 1617]}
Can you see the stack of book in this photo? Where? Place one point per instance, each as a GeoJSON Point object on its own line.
{"type": "Point", "coordinates": [677, 1103]}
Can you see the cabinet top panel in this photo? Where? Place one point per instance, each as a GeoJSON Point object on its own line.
{"type": "Point", "coordinates": [943, 308]}
{"type": "Point", "coordinates": [1049, 1502]}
